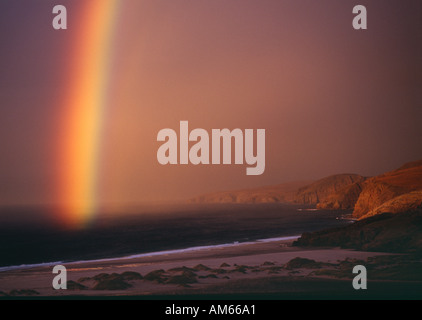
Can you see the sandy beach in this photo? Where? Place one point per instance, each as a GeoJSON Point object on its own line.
{"type": "Point", "coordinates": [254, 269]}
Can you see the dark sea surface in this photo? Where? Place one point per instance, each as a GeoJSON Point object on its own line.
{"type": "Point", "coordinates": [27, 237]}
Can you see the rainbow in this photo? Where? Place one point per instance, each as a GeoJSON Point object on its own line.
{"type": "Point", "coordinates": [83, 109]}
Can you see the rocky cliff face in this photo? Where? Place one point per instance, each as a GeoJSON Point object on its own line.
{"type": "Point", "coordinates": [411, 201]}
{"type": "Point", "coordinates": [389, 208]}
{"type": "Point", "coordinates": [304, 192]}
{"type": "Point", "coordinates": [322, 192]}
{"type": "Point", "coordinates": [378, 190]}
{"type": "Point", "coordinates": [366, 196]}
{"type": "Point", "coordinates": [386, 232]}
{"type": "Point", "coordinates": [343, 199]}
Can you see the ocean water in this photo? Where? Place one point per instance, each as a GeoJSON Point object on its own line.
{"type": "Point", "coordinates": [29, 241]}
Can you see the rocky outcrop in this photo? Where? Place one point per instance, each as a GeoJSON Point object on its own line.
{"type": "Point", "coordinates": [105, 281]}
{"type": "Point", "coordinates": [343, 199]}
{"type": "Point", "coordinates": [386, 232]}
{"type": "Point", "coordinates": [73, 285]}
{"type": "Point", "coordinates": [112, 284]}
{"type": "Point", "coordinates": [380, 189]}
{"type": "Point", "coordinates": [159, 276]}
{"type": "Point", "coordinates": [322, 191]}
{"type": "Point", "coordinates": [389, 208]}
{"type": "Point", "coordinates": [302, 263]}
{"type": "Point", "coordinates": [303, 192]}
{"type": "Point", "coordinates": [365, 196]}
{"type": "Point", "coordinates": [406, 202]}
{"type": "Point", "coordinates": [184, 279]}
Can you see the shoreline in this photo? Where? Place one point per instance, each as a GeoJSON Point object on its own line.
{"type": "Point", "coordinates": [148, 254]}
{"type": "Point", "coordinates": [243, 268]}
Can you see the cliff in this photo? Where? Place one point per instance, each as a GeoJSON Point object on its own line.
{"type": "Point", "coordinates": [379, 190]}
{"type": "Point", "coordinates": [411, 201]}
{"type": "Point", "coordinates": [385, 232]}
{"type": "Point", "coordinates": [322, 191]}
{"type": "Point", "coordinates": [284, 193]}
{"type": "Point", "coordinates": [345, 198]}
{"type": "Point", "coordinates": [302, 192]}
{"type": "Point", "coordinates": [366, 196]}
{"type": "Point", "coordinates": [389, 208]}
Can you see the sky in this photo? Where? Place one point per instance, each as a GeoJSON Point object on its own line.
{"type": "Point", "coordinates": [331, 99]}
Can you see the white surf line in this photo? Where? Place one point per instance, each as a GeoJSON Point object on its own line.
{"type": "Point", "coordinates": [150, 254]}
{"type": "Point", "coordinates": [30, 266]}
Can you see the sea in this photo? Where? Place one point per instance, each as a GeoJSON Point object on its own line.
{"type": "Point", "coordinates": [27, 239]}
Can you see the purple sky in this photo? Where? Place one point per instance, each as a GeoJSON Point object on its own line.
{"type": "Point", "coordinates": [332, 99]}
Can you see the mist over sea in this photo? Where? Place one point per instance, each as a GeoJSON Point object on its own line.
{"type": "Point", "coordinates": [27, 237]}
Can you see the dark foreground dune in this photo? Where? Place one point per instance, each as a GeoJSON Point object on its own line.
{"type": "Point", "coordinates": [250, 271]}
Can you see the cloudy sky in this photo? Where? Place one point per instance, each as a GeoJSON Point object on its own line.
{"type": "Point", "coordinates": [332, 99]}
